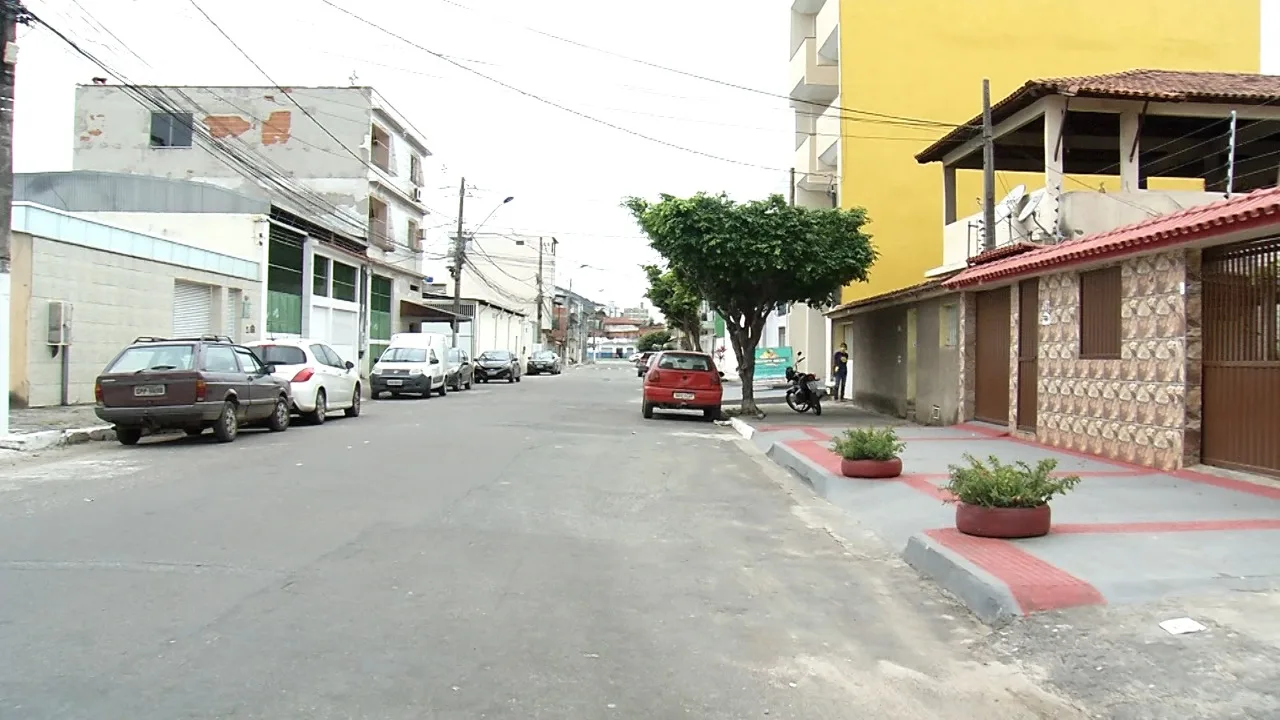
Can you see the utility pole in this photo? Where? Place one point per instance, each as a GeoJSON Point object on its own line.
{"type": "Point", "coordinates": [459, 257]}
{"type": "Point", "coordinates": [11, 13]}
{"type": "Point", "coordinates": [988, 170]}
{"type": "Point", "coordinates": [541, 244]}
{"type": "Point", "coordinates": [1231, 156]}
{"type": "Point", "coordinates": [792, 186]}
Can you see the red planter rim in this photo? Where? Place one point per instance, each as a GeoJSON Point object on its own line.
{"type": "Point", "coordinates": [871, 469]}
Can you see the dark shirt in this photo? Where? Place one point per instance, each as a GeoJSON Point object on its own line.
{"type": "Point", "coordinates": [840, 362]}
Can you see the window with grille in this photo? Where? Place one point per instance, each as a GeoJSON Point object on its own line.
{"type": "Point", "coordinates": [1100, 300]}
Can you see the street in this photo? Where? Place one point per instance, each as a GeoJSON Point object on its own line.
{"type": "Point", "coordinates": [527, 550]}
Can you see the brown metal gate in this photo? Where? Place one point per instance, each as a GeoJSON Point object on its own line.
{"type": "Point", "coordinates": [991, 358]}
{"type": "Point", "coordinates": [1028, 351]}
{"type": "Point", "coordinates": [1241, 321]}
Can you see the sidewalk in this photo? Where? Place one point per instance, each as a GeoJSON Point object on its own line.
{"type": "Point", "coordinates": [1127, 534]}
{"type": "Point", "coordinates": [32, 429]}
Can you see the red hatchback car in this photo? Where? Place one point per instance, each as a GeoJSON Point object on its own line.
{"type": "Point", "coordinates": [679, 380]}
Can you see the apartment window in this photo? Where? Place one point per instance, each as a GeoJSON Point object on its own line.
{"type": "Point", "coordinates": [345, 279]}
{"type": "Point", "coordinates": [378, 221]}
{"type": "Point", "coordinates": [782, 337]}
{"type": "Point", "coordinates": [1100, 314]}
{"type": "Point", "coordinates": [414, 241]}
{"type": "Point", "coordinates": [381, 142]}
{"type": "Point", "coordinates": [415, 170]}
{"type": "Point", "coordinates": [781, 310]}
{"type": "Point", "coordinates": [170, 130]}
{"type": "Point", "coordinates": [949, 325]}
{"type": "Point", "coordinates": [320, 277]}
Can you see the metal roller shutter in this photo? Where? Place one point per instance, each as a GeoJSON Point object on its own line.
{"type": "Point", "coordinates": [232, 315]}
{"type": "Point", "coordinates": [192, 309]}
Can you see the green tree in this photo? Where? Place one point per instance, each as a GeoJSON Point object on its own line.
{"type": "Point", "coordinates": [746, 258]}
{"type": "Point", "coordinates": [653, 340]}
{"type": "Point", "coordinates": [679, 303]}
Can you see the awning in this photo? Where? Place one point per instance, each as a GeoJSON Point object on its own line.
{"type": "Point", "coordinates": [410, 310]}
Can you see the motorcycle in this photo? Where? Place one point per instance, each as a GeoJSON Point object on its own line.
{"type": "Point", "coordinates": [805, 392]}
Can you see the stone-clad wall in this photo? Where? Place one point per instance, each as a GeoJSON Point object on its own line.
{"type": "Point", "coordinates": [1133, 409]}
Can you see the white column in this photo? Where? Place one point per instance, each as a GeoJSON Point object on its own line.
{"type": "Point", "coordinates": [1055, 109]}
{"type": "Point", "coordinates": [4, 351]}
{"type": "Point", "coordinates": [1129, 150]}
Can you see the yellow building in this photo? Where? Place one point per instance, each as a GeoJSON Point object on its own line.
{"type": "Point", "coordinates": [875, 82]}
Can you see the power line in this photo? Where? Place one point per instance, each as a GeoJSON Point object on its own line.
{"type": "Point", "coordinates": [543, 100]}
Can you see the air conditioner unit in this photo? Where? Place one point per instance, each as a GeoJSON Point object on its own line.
{"type": "Point", "coordinates": [417, 194]}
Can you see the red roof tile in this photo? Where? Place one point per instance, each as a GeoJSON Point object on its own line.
{"type": "Point", "coordinates": [1154, 85]}
{"type": "Point", "coordinates": [1242, 212]}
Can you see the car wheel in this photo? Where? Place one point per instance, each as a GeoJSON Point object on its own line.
{"type": "Point", "coordinates": [518, 378]}
{"type": "Point", "coordinates": [444, 388]}
{"type": "Point", "coordinates": [354, 410]}
{"type": "Point", "coordinates": [711, 413]}
{"type": "Point", "coordinates": [317, 416]}
{"type": "Point", "coordinates": [279, 420]}
{"type": "Point", "coordinates": [128, 436]}
{"type": "Point", "coordinates": [646, 410]}
{"type": "Point", "coordinates": [469, 384]}
{"type": "Point", "coordinates": [511, 378]}
{"type": "Point", "coordinates": [193, 431]}
{"type": "Point", "coordinates": [227, 426]}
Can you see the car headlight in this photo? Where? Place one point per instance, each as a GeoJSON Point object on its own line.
{"type": "Point", "coordinates": [415, 372]}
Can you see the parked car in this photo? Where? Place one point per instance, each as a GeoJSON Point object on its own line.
{"type": "Point", "coordinates": [498, 365]}
{"type": "Point", "coordinates": [412, 365]}
{"type": "Point", "coordinates": [544, 361]}
{"type": "Point", "coordinates": [683, 380]}
{"type": "Point", "coordinates": [189, 384]}
{"type": "Point", "coordinates": [318, 378]}
{"type": "Point", "coordinates": [459, 372]}
{"type": "Point", "coordinates": [642, 362]}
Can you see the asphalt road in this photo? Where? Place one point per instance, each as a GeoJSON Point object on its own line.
{"type": "Point", "coordinates": [519, 551]}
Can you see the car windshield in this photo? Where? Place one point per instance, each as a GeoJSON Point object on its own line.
{"type": "Point", "coordinates": [154, 357]}
{"type": "Point", "coordinates": [544, 355]}
{"type": "Point", "coordinates": [684, 361]}
{"type": "Point", "coordinates": [495, 355]}
{"type": "Point", "coordinates": [280, 355]}
{"type": "Point", "coordinates": [404, 354]}
{"type": "Point", "coordinates": [455, 355]}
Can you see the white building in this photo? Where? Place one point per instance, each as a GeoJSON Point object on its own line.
{"type": "Point", "coordinates": [340, 157]}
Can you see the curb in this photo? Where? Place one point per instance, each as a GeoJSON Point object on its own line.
{"type": "Point", "coordinates": [985, 596]}
{"type": "Point", "coordinates": [45, 439]}
{"type": "Point", "coordinates": [743, 429]}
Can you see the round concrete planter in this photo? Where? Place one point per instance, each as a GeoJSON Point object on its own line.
{"type": "Point", "coordinates": [1003, 523]}
{"type": "Point", "coordinates": [871, 469]}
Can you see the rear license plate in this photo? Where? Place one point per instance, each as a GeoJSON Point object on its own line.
{"type": "Point", "coordinates": [148, 390]}
{"type": "Point", "coordinates": [395, 383]}
{"type": "Point", "coordinates": [682, 396]}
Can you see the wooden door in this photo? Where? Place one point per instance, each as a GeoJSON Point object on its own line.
{"type": "Point", "coordinates": [991, 357]}
{"type": "Point", "coordinates": [1028, 351]}
{"type": "Point", "coordinates": [1241, 320]}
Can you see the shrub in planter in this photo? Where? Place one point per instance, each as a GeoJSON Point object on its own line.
{"type": "Point", "coordinates": [1005, 501]}
{"type": "Point", "coordinates": [869, 453]}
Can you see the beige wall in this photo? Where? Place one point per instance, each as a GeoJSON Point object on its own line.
{"type": "Point", "coordinates": [19, 311]}
{"type": "Point", "coordinates": [114, 298]}
{"type": "Point", "coordinates": [1132, 409]}
{"type": "Point", "coordinates": [878, 363]}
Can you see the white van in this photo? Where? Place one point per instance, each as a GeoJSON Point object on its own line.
{"type": "Point", "coordinates": [412, 365]}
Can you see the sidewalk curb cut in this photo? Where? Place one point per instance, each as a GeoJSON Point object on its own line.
{"type": "Point", "coordinates": [45, 439]}
{"type": "Point", "coordinates": [985, 596]}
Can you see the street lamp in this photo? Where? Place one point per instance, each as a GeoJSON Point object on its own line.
{"type": "Point", "coordinates": [498, 207]}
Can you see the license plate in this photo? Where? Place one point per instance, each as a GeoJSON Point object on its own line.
{"type": "Point", "coordinates": [148, 390]}
{"type": "Point", "coordinates": [395, 383]}
{"type": "Point", "coordinates": [682, 396]}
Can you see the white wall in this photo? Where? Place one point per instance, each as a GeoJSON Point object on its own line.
{"type": "Point", "coordinates": [235, 235]}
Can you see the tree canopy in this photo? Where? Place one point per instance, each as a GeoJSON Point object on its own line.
{"type": "Point", "coordinates": [680, 304]}
{"type": "Point", "coordinates": [655, 340]}
{"type": "Point", "coordinates": [746, 258]}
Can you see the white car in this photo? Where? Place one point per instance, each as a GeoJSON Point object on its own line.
{"type": "Point", "coordinates": [321, 380]}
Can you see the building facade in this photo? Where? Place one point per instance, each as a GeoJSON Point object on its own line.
{"type": "Point", "coordinates": [849, 122]}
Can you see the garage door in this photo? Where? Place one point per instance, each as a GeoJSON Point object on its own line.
{"type": "Point", "coordinates": [337, 328]}
{"type": "Point", "coordinates": [192, 309]}
{"type": "Point", "coordinates": [991, 358]}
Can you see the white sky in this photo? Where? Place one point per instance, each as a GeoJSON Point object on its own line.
{"type": "Point", "coordinates": [566, 173]}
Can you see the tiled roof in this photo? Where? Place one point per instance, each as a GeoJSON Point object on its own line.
{"type": "Point", "coordinates": [1243, 212]}
{"type": "Point", "coordinates": [1154, 85]}
{"type": "Point", "coordinates": [906, 293]}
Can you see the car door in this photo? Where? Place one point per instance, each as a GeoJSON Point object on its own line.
{"type": "Point", "coordinates": [345, 378]}
{"type": "Point", "coordinates": [262, 385]}
{"type": "Point", "coordinates": [466, 373]}
{"type": "Point", "coordinates": [324, 370]}
{"type": "Point", "coordinates": [436, 366]}
{"type": "Point", "coordinates": [222, 375]}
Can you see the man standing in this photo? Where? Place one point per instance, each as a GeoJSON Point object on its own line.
{"type": "Point", "coordinates": [840, 369]}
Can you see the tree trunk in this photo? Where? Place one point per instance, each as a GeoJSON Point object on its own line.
{"type": "Point", "coordinates": [693, 332]}
{"type": "Point", "coordinates": [745, 340]}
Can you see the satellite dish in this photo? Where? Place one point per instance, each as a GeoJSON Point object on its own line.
{"type": "Point", "coordinates": [1015, 196]}
{"type": "Point", "coordinates": [1030, 208]}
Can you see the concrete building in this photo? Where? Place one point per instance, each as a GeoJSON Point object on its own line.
{"type": "Point", "coordinates": [1137, 323]}
{"type": "Point", "coordinates": [855, 131]}
{"type": "Point", "coordinates": [575, 318]}
{"type": "Point", "coordinates": [83, 289]}
{"type": "Point", "coordinates": [352, 301]}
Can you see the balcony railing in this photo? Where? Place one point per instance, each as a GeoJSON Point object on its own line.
{"type": "Point", "coordinates": [828, 31]}
{"type": "Point", "coordinates": [813, 80]}
{"type": "Point", "coordinates": [811, 173]}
